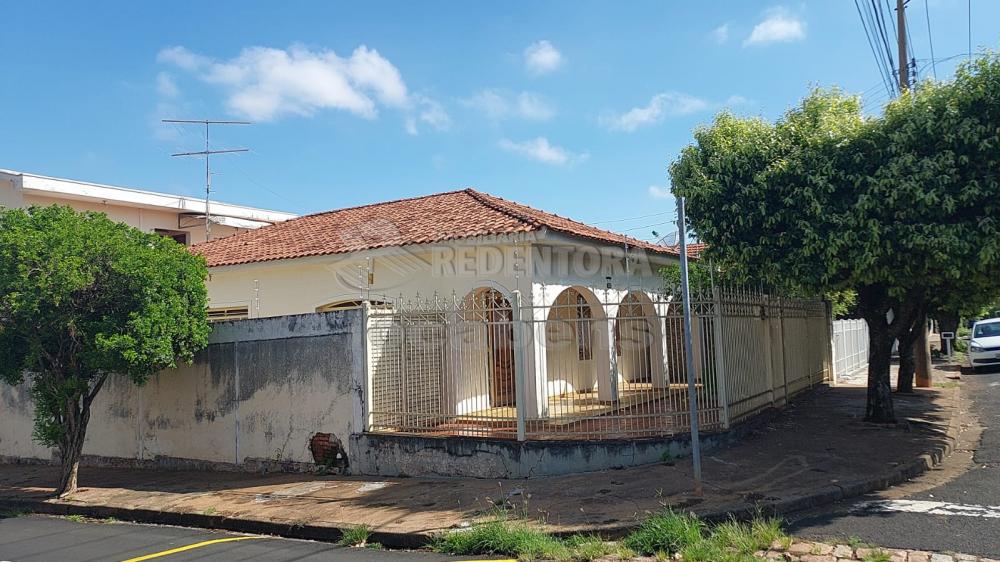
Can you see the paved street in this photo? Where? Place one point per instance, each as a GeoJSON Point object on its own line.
{"type": "Point", "coordinates": [38, 538]}
{"type": "Point", "coordinates": [961, 514]}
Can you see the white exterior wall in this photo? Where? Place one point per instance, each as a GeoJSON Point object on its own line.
{"type": "Point", "coordinates": [146, 220]}
{"type": "Point", "coordinates": [144, 210]}
{"type": "Point", "coordinates": [299, 286]}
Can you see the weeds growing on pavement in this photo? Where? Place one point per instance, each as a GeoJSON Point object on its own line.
{"type": "Point", "coordinates": [665, 532]}
{"type": "Point", "coordinates": [505, 537]}
{"type": "Point", "coordinates": [856, 542]}
{"type": "Point", "coordinates": [76, 518]}
{"type": "Point", "coordinates": [877, 555]}
{"type": "Point", "coordinates": [355, 536]}
{"type": "Point", "coordinates": [665, 535]}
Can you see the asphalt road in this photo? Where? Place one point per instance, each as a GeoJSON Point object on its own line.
{"type": "Point", "coordinates": [959, 515]}
{"type": "Point", "coordinates": [41, 538]}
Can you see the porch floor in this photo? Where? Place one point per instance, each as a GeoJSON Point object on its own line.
{"type": "Point", "coordinates": [640, 411]}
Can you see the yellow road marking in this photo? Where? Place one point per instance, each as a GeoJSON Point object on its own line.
{"type": "Point", "coordinates": [189, 547]}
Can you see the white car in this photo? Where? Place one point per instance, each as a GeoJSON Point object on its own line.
{"type": "Point", "coordinates": [984, 344]}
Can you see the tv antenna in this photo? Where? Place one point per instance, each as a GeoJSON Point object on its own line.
{"type": "Point", "coordinates": [207, 153]}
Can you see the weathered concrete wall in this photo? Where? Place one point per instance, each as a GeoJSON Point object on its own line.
{"type": "Point", "coordinates": [403, 455]}
{"type": "Point", "coordinates": [254, 398]}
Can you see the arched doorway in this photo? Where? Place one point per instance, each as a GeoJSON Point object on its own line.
{"type": "Point", "coordinates": [576, 345]}
{"type": "Point", "coordinates": [634, 339]}
{"type": "Point", "coordinates": [491, 307]}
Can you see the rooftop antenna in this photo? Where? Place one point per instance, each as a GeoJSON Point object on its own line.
{"type": "Point", "coordinates": [207, 153]}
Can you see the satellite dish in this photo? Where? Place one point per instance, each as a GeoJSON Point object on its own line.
{"type": "Point", "coordinates": [668, 240]}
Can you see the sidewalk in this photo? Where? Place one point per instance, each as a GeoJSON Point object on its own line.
{"type": "Point", "coordinates": [816, 451]}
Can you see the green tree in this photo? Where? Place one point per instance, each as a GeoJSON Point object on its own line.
{"type": "Point", "coordinates": [84, 298]}
{"type": "Point", "coordinates": [826, 199]}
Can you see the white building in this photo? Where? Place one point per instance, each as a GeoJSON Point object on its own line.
{"type": "Point", "coordinates": [177, 216]}
{"type": "Point", "coordinates": [593, 297]}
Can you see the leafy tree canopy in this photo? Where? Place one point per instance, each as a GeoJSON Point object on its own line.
{"type": "Point", "coordinates": [897, 207]}
{"type": "Point", "coordinates": [83, 297]}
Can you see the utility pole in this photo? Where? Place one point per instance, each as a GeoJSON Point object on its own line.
{"type": "Point", "coordinates": [207, 153]}
{"type": "Point", "coordinates": [689, 348]}
{"type": "Point", "coordinates": [904, 65]}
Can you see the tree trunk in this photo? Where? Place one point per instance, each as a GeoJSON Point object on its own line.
{"type": "Point", "coordinates": [874, 303]}
{"type": "Point", "coordinates": [70, 468]}
{"type": "Point", "coordinates": [907, 363]}
{"type": "Point", "coordinates": [71, 447]}
{"type": "Point", "coordinates": [76, 417]}
{"type": "Point", "coordinates": [879, 408]}
{"type": "Point", "coordinates": [922, 352]}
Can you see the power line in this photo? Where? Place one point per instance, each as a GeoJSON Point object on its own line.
{"type": "Point", "coordinates": [631, 218]}
{"type": "Point", "coordinates": [879, 16]}
{"type": "Point", "coordinates": [930, 37]}
{"type": "Point", "coordinates": [871, 44]}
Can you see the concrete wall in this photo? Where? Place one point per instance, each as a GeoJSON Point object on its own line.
{"type": "Point", "coordinates": [256, 396]}
{"type": "Point", "coordinates": [399, 455]}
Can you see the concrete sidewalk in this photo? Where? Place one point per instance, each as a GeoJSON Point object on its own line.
{"type": "Point", "coordinates": [815, 451]}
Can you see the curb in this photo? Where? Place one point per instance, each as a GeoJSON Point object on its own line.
{"type": "Point", "coordinates": [216, 522]}
{"type": "Point", "coordinates": [821, 497]}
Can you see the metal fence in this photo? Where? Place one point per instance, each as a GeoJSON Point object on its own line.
{"type": "Point", "coordinates": [850, 347]}
{"type": "Point", "coordinates": [583, 367]}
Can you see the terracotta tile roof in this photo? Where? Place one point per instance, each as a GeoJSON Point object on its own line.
{"type": "Point", "coordinates": [420, 220]}
{"type": "Point", "coordinates": [694, 249]}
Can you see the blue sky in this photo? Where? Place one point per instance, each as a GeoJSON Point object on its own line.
{"type": "Point", "coordinates": [573, 107]}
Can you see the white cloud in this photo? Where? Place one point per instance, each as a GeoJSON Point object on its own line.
{"type": "Point", "coordinates": [165, 85]}
{"type": "Point", "coordinates": [182, 58]}
{"type": "Point", "coordinates": [720, 34]}
{"type": "Point", "coordinates": [498, 105]}
{"type": "Point", "coordinates": [778, 26]}
{"type": "Point", "coordinates": [541, 150]}
{"type": "Point", "coordinates": [542, 57]}
{"type": "Point", "coordinates": [657, 192]}
{"type": "Point", "coordinates": [265, 83]}
{"type": "Point", "coordinates": [737, 99]}
{"type": "Point", "coordinates": [430, 113]}
{"type": "Point", "coordinates": [666, 104]}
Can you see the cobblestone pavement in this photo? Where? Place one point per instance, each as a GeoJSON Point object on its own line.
{"type": "Point", "coordinates": [804, 551]}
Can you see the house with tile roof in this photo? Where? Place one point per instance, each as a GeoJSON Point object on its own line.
{"type": "Point", "coordinates": [445, 244]}
{"type": "Point", "coordinates": [470, 251]}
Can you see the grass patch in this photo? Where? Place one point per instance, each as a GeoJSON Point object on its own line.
{"type": "Point", "coordinates": [669, 533]}
{"type": "Point", "coordinates": [76, 518]}
{"type": "Point", "coordinates": [665, 532]}
{"type": "Point", "coordinates": [946, 384]}
{"type": "Point", "coordinates": [591, 547]}
{"type": "Point", "coordinates": [208, 511]}
{"type": "Point", "coordinates": [665, 535]}
{"type": "Point", "coordinates": [504, 537]}
{"type": "Point", "coordinates": [877, 555]}
{"type": "Point", "coordinates": [356, 536]}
